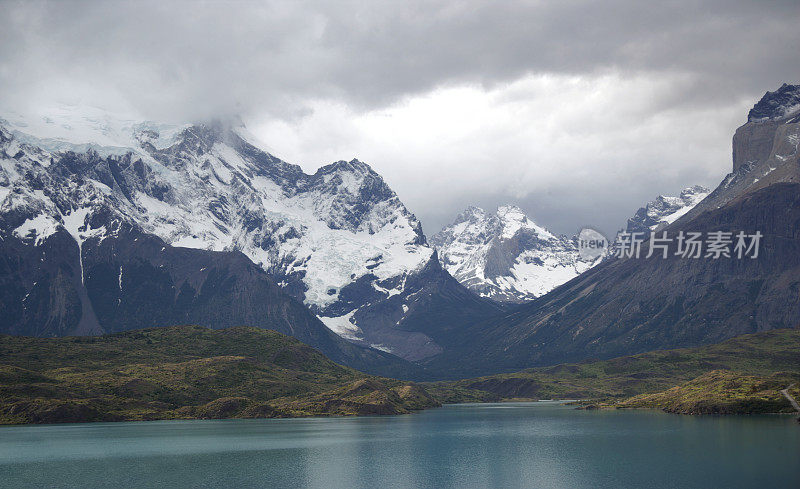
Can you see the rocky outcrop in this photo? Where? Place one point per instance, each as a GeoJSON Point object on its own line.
{"type": "Point", "coordinates": [782, 103]}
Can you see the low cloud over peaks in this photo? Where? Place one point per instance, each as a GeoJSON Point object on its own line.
{"type": "Point", "coordinates": [576, 103]}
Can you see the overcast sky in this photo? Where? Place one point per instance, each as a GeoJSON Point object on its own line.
{"type": "Point", "coordinates": [578, 112]}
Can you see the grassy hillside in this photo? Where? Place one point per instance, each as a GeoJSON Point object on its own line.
{"type": "Point", "coordinates": [722, 392]}
{"type": "Point", "coordinates": [760, 355]}
{"type": "Point", "coordinates": [194, 372]}
{"type": "Point", "coordinates": [185, 372]}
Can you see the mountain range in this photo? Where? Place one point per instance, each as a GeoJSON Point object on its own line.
{"type": "Point", "coordinates": [631, 305]}
{"type": "Point", "coordinates": [507, 257]}
{"type": "Point", "coordinates": [108, 225]}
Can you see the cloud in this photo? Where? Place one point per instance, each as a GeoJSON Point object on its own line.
{"type": "Point", "coordinates": [560, 106]}
{"type": "Point", "coordinates": [256, 56]}
{"type": "Point", "coordinates": [572, 150]}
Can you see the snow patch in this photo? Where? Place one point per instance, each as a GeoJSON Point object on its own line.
{"type": "Point", "coordinates": [38, 228]}
{"type": "Point", "coordinates": [344, 325]}
{"type": "Point", "coordinates": [76, 225]}
{"type": "Point", "coordinates": [381, 347]}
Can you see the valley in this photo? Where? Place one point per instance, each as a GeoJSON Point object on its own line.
{"type": "Point", "coordinates": [157, 226]}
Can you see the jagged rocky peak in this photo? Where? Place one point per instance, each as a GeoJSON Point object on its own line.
{"type": "Point", "coordinates": [358, 198]}
{"type": "Point", "coordinates": [476, 225]}
{"type": "Point", "coordinates": [514, 220]}
{"type": "Point", "coordinates": [783, 102]}
{"type": "Point", "coordinates": [505, 255]}
{"type": "Point", "coordinates": [471, 213]}
{"type": "Point", "coordinates": [665, 210]}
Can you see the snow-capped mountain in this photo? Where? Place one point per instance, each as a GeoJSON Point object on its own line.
{"type": "Point", "coordinates": [506, 256]}
{"type": "Point", "coordinates": [665, 210]}
{"type": "Point", "coordinates": [339, 240]}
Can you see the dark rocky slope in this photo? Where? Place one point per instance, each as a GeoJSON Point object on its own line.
{"type": "Point", "coordinates": [133, 280]}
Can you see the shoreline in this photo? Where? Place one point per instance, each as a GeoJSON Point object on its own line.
{"type": "Point", "coordinates": [575, 404]}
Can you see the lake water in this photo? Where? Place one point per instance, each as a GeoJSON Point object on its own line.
{"type": "Point", "coordinates": [540, 445]}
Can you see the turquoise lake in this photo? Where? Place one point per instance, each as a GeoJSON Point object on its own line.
{"type": "Point", "coordinates": [537, 445]}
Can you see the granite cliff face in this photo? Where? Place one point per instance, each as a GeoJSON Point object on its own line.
{"type": "Point", "coordinates": [765, 150]}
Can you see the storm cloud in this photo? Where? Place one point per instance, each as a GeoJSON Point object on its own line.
{"type": "Point", "coordinates": [577, 111]}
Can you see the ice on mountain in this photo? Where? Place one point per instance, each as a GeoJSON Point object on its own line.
{"type": "Point", "coordinates": [343, 325]}
{"type": "Point", "coordinates": [38, 228]}
{"type": "Point", "coordinates": [76, 224]}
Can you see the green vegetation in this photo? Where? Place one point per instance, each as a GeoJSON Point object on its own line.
{"type": "Point", "coordinates": [752, 360]}
{"type": "Point", "coordinates": [185, 372]}
{"type": "Point", "coordinates": [722, 392]}
{"type": "Point", "coordinates": [190, 372]}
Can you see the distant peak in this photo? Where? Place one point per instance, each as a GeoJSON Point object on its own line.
{"type": "Point", "coordinates": [781, 103]}
{"type": "Point", "coordinates": [504, 210]}
{"type": "Point", "coordinates": [470, 214]}
{"type": "Point", "coordinates": [352, 166]}
{"type": "Point", "coordinates": [515, 216]}
{"type": "Point", "coordinates": [694, 190]}
{"type": "Point", "coordinates": [666, 209]}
